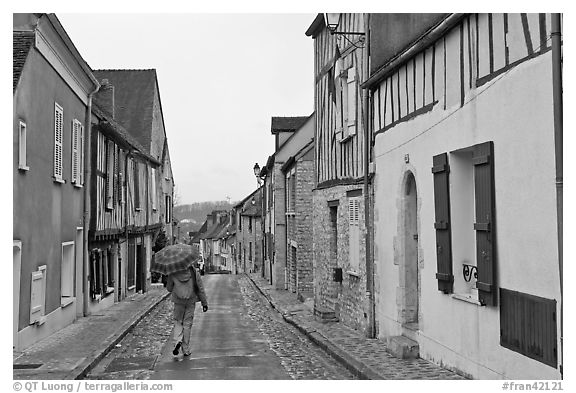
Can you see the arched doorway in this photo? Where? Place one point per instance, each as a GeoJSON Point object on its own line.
{"type": "Point", "coordinates": [409, 271]}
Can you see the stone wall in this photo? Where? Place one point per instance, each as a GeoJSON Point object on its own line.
{"type": "Point", "coordinates": [331, 249]}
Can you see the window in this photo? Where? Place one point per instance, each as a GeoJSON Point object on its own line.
{"type": "Point", "coordinates": [333, 206]}
{"type": "Point", "coordinates": [168, 209]}
{"type": "Point", "coordinates": [137, 205]}
{"type": "Point", "coordinates": [250, 251]}
{"type": "Point", "coordinates": [468, 249]}
{"type": "Point", "coordinates": [345, 92]}
{"type": "Point", "coordinates": [250, 224]}
{"type": "Point", "coordinates": [22, 164]}
{"type": "Point", "coordinates": [110, 174]}
{"type": "Point", "coordinates": [291, 191]}
{"type": "Point", "coordinates": [58, 136]}
{"type": "Point", "coordinates": [77, 153]}
{"type": "Point", "coordinates": [153, 184]}
{"type": "Point", "coordinates": [354, 232]}
{"type": "Point", "coordinates": [67, 274]}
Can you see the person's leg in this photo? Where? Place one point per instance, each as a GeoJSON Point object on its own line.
{"type": "Point", "coordinates": [187, 327]}
{"type": "Point", "coordinates": [179, 312]}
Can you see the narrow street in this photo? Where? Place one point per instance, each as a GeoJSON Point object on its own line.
{"type": "Point", "coordinates": [240, 337]}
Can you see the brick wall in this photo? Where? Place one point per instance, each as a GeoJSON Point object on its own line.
{"type": "Point", "coordinates": [347, 298]}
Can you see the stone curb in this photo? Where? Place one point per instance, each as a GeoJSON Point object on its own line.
{"type": "Point", "coordinates": [355, 366]}
{"type": "Point", "coordinates": [85, 367]}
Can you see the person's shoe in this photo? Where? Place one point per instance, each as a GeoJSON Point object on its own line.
{"type": "Point", "coordinates": [176, 349]}
{"type": "Point", "coordinates": [187, 353]}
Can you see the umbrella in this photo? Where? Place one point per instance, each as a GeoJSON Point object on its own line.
{"type": "Point", "coordinates": [172, 259]}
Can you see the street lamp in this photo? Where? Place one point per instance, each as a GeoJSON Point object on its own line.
{"type": "Point", "coordinates": [257, 174]}
{"type": "Point", "coordinates": [332, 22]}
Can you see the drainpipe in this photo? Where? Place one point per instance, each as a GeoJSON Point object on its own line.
{"type": "Point", "coordinates": [371, 330]}
{"type": "Point", "coordinates": [86, 215]}
{"type": "Point", "coordinates": [558, 144]}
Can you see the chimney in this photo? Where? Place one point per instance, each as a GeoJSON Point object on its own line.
{"type": "Point", "coordinates": [105, 97]}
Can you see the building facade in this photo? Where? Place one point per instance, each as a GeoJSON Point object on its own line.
{"type": "Point", "coordinates": [249, 235]}
{"type": "Point", "coordinates": [51, 104]}
{"type": "Point", "coordinates": [466, 235]}
{"type": "Point", "coordinates": [339, 226]}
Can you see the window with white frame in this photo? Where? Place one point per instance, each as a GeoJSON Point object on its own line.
{"type": "Point", "coordinates": [22, 164]}
{"type": "Point", "coordinates": [77, 153]}
{"type": "Point", "coordinates": [67, 273]}
{"type": "Point", "coordinates": [58, 137]}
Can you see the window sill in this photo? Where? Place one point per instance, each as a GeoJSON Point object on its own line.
{"type": "Point", "coordinates": [61, 181]}
{"type": "Point", "coordinates": [290, 214]}
{"type": "Point", "coordinates": [138, 209]}
{"type": "Point", "coordinates": [66, 301]}
{"type": "Point", "coordinates": [78, 185]}
{"type": "Point", "coordinates": [131, 287]}
{"type": "Point", "coordinates": [23, 168]}
{"type": "Point", "coordinates": [466, 298]}
{"type": "Point", "coordinates": [353, 273]}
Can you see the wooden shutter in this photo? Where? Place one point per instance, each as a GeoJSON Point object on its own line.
{"type": "Point", "coordinates": [136, 185]}
{"type": "Point", "coordinates": [58, 136]}
{"type": "Point", "coordinates": [75, 141]}
{"type": "Point", "coordinates": [153, 184]}
{"type": "Point", "coordinates": [120, 174]}
{"type": "Point", "coordinates": [440, 170]}
{"type": "Point", "coordinates": [81, 155]}
{"type": "Point", "coordinates": [22, 146]}
{"type": "Point", "coordinates": [351, 110]}
{"type": "Point", "coordinates": [109, 174]}
{"type": "Point", "coordinates": [483, 160]}
{"type": "Point", "coordinates": [528, 326]}
{"type": "Point", "coordinates": [37, 296]}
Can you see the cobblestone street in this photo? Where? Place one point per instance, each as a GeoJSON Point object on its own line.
{"type": "Point", "coordinates": [138, 354]}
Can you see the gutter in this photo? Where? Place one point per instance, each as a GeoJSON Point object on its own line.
{"type": "Point", "coordinates": [371, 329]}
{"type": "Point", "coordinates": [86, 215]}
{"type": "Point", "coordinates": [412, 50]}
{"type": "Point", "coordinates": [556, 34]}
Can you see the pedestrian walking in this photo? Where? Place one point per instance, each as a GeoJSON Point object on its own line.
{"type": "Point", "coordinates": [185, 284]}
{"type": "Point", "coordinates": [187, 289]}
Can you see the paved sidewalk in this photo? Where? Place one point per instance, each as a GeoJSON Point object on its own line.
{"type": "Point", "coordinates": [71, 352]}
{"type": "Point", "coordinates": [366, 358]}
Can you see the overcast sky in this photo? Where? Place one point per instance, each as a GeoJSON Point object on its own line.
{"type": "Point", "coordinates": [221, 77]}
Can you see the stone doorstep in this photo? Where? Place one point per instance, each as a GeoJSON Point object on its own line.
{"type": "Point", "coordinates": [402, 347]}
{"type": "Point", "coordinates": [325, 314]}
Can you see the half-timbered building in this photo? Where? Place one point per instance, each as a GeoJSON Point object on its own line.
{"type": "Point", "coordinates": [339, 227]}
{"type": "Point", "coordinates": [466, 237]}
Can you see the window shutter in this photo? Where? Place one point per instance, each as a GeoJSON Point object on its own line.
{"type": "Point", "coordinates": [351, 112]}
{"type": "Point", "coordinates": [354, 232]}
{"type": "Point", "coordinates": [440, 170]}
{"type": "Point", "coordinates": [75, 142]}
{"type": "Point", "coordinates": [37, 296]}
{"type": "Point", "coordinates": [58, 135]}
{"type": "Point", "coordinates": [136, 185]}
{"type": "Point", "coordinates": [483, 159]}
{"type": "Point", "coordinates": [115, 185]}
{"type": "Point", "coordinates": [81, 155]}
{"type": "Point", "coordinates": [22, 146]}
{"type": "Point", "coordinates": [109, 174]}
{"type": "Point", "coordinates": [153, 183]}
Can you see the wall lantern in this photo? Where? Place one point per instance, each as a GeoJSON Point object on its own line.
{"type": "Point", "coordinates": [257, 174]}
{"type": "Point", "coordinates": [333, 20]}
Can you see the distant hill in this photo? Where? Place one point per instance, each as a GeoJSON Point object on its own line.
{"type": "Point", "coordinates": [191, 217]}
